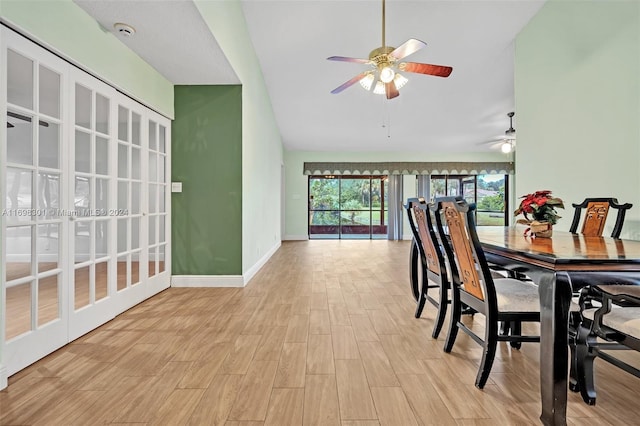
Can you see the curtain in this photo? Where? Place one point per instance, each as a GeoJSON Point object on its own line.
{"type": "Point", "coordinates": [395, 201]}
{"type": "Point", "coordinates": [424, 186]}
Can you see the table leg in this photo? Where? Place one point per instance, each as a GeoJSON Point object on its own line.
{"type": "Point", "coordinates": [555, 299]}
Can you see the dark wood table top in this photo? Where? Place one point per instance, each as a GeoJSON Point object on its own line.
{"type": "Point", "coordinates": [563, 251]}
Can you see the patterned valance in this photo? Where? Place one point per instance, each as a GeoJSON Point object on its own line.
{"type": "Point", "coordinates": [410, 168]}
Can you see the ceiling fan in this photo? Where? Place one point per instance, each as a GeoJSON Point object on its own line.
{"type": "Point", "coordinates": [507, 143]}
{"type": "Point", "coordinates": [385, 77]}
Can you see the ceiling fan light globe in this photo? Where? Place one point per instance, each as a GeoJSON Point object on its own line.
{"type": "Point", "coordinates": [400, 80]}
{"type": "Point", "coordinates": [387, 74]}
{"type": "Point", "coordinates": [506, 147]}
{"type": "Point", "coordinates": [367, 81]}
{"type": "Point", "coordinates": [379, 89]}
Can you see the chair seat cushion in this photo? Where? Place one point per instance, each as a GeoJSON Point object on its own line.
{"type": "Point", "coordinates": [516, 296]}
{"type": "Point", "coordinates": [626, 320]}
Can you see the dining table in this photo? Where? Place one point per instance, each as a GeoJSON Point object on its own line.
{"type": "Point", "coordinates": [559, 265]}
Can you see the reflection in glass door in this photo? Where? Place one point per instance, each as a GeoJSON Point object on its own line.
{"type": "Point", "coordinates": [92, 215]}
{"type": "Point", "coordinates": [129, 208]}
{"type": "Point", "coordinates": [31, 167]}
{"type": "Point", "coordinates": [157, 188]}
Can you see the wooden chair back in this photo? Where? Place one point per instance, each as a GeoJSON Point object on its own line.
{"type": "Point", "coordinates": [473, 274]}
{"type": "Point", "coordinates": [422, 228]}
{"type": "Point", "coordinates": [595, 216]}
{"type": "Point", "coordinates": [463, 251]}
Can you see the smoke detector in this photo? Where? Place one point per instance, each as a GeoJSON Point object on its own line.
{"type": "Point", "coordinates": [124, 29]}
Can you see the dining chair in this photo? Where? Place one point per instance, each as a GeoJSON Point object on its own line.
{"type": "Point", "coordinates": [595, 216]}
{"type": "Point", "coordinates": [431, 264]}
{"type": "Point", "coordinates": [499, 300]}
{"type": "Point", "coordinates": [610, 321]}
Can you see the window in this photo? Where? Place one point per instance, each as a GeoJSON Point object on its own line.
{"type": "Point", "coordinates": [487, 191]}
{"type": "Point", "coordinates": [347, 207]}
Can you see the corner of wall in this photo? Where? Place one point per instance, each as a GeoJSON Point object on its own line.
{"type": "Point", "coordinates": [251, 272]}
{"type": "Point", "coordinates": [4, 378]}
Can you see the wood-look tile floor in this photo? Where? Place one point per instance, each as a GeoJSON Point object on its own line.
{"type": "Point", "coordinates": [324, 334]}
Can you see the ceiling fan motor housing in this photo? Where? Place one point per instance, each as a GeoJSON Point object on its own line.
{"type": "Point", "coordinates": [380, 56]}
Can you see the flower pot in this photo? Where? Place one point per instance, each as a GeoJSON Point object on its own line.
{"type": "Point", "coordinates": [541, 229]}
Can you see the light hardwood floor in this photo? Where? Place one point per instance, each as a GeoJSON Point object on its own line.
{"type": "Point", "coordinates": [323, 334]}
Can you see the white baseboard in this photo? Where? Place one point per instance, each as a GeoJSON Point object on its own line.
{"type": "Point", "coordinates": [4, 378]}
{"type": "Point", "coordinates": [295, 238]}
{"type": "Point", "coordinates": [223, 280]}
{"type": "Point", "coordinates": [207, 281]}
{"type": "Point", "coordinates": [260, 263]}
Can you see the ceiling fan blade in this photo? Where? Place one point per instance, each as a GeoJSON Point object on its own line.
{"type": "Point", "coordinates": [349, 83]}
{"type": "Point", "coordinates": [391, 90]}
{"type": "Point", "coordinates": [437, 70]}
{"type": "Point", "coordinates": [347, 59]}
{"type": "Point", "coordinates": [409, 47]}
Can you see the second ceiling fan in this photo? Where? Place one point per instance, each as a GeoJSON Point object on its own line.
{"type": "Point", "coordinates": [385, 77]}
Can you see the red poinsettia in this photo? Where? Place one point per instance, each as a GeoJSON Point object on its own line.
{"type": "Point", "coordinates": [541, 206]}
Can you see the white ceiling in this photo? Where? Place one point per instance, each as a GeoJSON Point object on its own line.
{"type": "Point", "coordinates": [293, 38]}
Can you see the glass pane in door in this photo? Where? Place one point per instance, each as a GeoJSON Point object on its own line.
{"type": "Point", "coordinates": [19, 192]}
{"type": "Point", "coordinates": [102, 114]}
{"type": "Point", "coordinates": [101, 280]}
{"type": "Point", "coordinates": [123, 123]}
{"type": "Point", "coordinates": [83, 106]}
{"type": "Point", "coordinates": [48, 297]}
{"type": "Point", "coordinates": [49, 146]}
{"type": "Point", "coordinates": [19, 138]}
{"type": "Point", "coordinates": [19, 80]}
{"type": "Point", "coordinates": [18, 316]}
{"type": "Point", "coordinates": [48, 246]}
{"type": "Point", "coordinates": [83, 152]}
{"type": "Point", "coordinates": [82, 287]}
{"type": "Point", "coordinates": [121, 282]}
{"type": "Point", "coordinates": [18, 254]}
{"type": "Point", "coordinates": [49, 92]}
{"type": "Point", "coordinates": [161, 253]}
{"type": "Point", "coordinates": [82, 241]}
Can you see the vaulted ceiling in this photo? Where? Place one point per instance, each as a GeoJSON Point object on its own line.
{"type": "Point", "coordinates": [293, 38]}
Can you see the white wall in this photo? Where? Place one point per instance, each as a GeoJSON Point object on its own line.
{"type": "Point", "coordinates": [296, 184]}
{"type": "Point", "coordinates": [261, 142]}
{"type": "Point", "coordinates": [577, 88]}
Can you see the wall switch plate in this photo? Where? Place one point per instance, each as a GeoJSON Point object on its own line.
{"type": "Point", "coordinates": [176, 186]}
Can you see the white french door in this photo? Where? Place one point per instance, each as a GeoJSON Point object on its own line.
{"type": "Point", "coordinates": [158, 226]}
{"type": "Point", "coordinates": [85, 202]}
{"type": "Point", "coordinates": [32, 164]}
{"type": "Point", "coordinates": [91, 222]}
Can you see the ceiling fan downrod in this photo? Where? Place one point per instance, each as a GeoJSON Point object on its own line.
{"type": "Point", "coordinates": [383, 25]}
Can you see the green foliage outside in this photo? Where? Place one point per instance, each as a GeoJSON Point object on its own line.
{"type": "Point", "coordinates": [354, 197]}
{"type": "Point", "coordinates": [358, 201]}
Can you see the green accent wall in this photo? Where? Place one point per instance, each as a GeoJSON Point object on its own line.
{"type": "Point", "coordinates": [206, 216]}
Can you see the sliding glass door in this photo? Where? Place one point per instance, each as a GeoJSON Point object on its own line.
{"type": "Point", "coordinates": [352, 207]}
{"type": "Point", "coordinates": [487, 191]}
